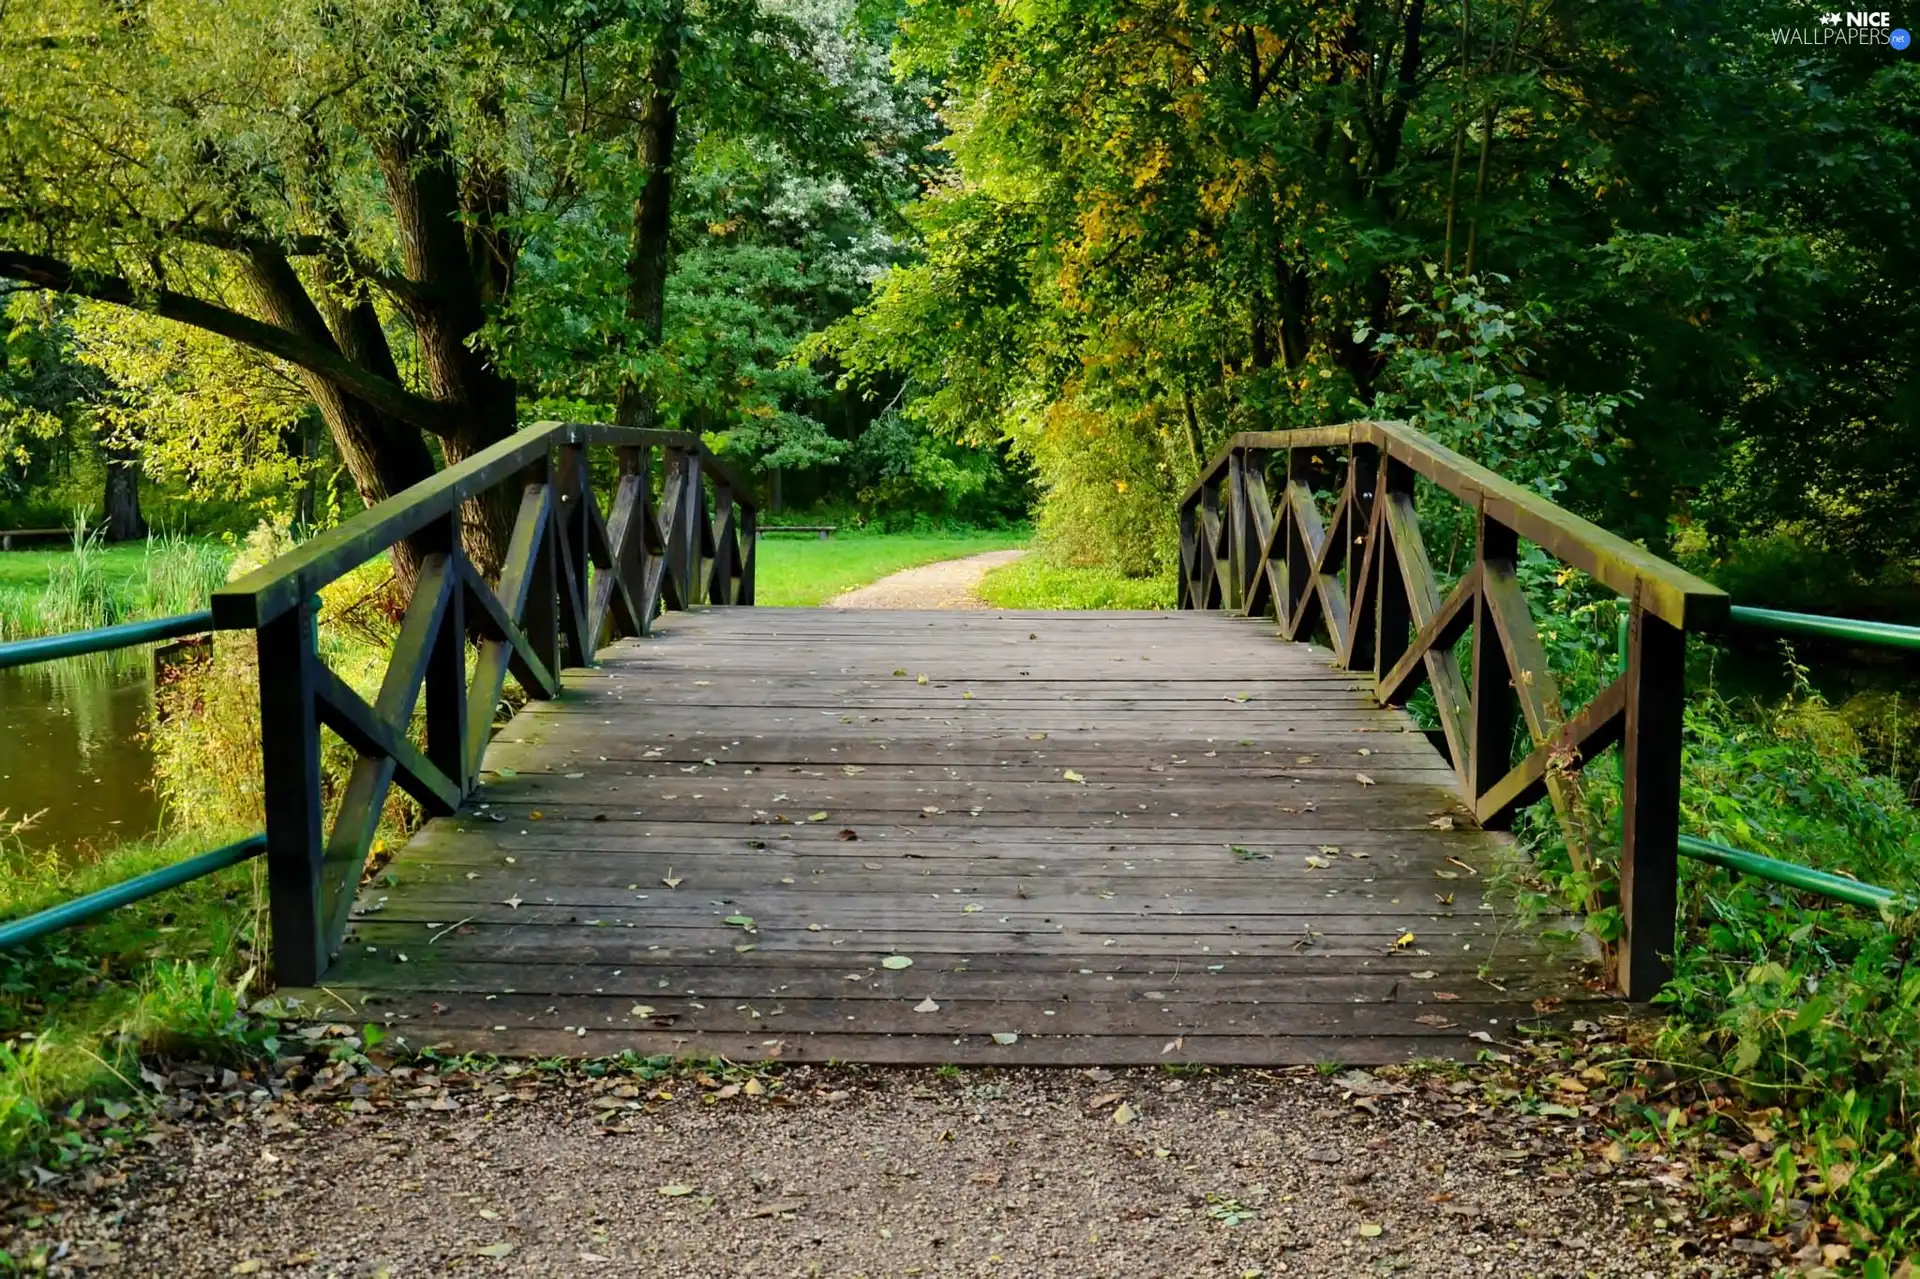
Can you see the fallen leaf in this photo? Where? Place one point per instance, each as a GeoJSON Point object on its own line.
{"type": "Point", "coordinates": [671, 880]}
{"type": "Point", "coordinates": [1005, 1037]}
{"type": "Point", "coordinates": [1318, 863]}
{"type": "Point", "coordinates": [1368, 1230]}
{"type": "Point", "coordinates": [676, 1190]}
{"type": "Point", "coordinates": [641, 1010]}
{"type": "Point", "coordinates": [251, 1266]}
{"type": "Point", "coordinates": [1072, 776]}
{"type": "Point", "coordinates": [1124, 1114]}
{"type": "Point", "coordinates": [1403, 940]}
{"type": "Point", "coordinates": [848, 833]}
{"type": "Point", "coordinates": [926, 1006]}
{"type": "Point", "coordinates": [896, 962]}
{"type": "Point", "coordinates": [495, 1250]}
{"type": "Point", "coordinates": [740, 921]}
{"type": "Point", "coordinates": [920, 679]}
{"type": "Point", "coordinates": [513, 901]}
{"type": "Point", "coordinates": [1363, 779]}
{"type": "Point", "coordinates": [817, 817]}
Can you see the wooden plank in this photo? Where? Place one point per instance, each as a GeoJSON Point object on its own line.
{"type": "Point", "coordinates": [935, 1050]}
{"type": "Point", "coordinates": [952, 1014]}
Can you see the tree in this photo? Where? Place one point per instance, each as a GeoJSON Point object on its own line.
{"type": "Point", "coordinates": [1175, 221]}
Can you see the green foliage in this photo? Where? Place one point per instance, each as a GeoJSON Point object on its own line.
{"type": "Point", "coordinates": [206, 740]}
{"type": "Point", "coordinates": [1813, 1009]}
{"type": "Point", "coordinates": [207, 418]}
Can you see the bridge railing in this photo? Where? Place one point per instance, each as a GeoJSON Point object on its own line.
{"type": "Point", "coordinates": [1253, 538]}
{"type": "Point", "coordinates": [571, 580]}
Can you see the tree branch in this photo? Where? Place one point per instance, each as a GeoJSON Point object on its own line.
{"type": "Point", "coordinates": [389, 397]}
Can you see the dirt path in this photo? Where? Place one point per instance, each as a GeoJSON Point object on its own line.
{"type": "Point", "coordinates": [862, 1172]}
{"type": "Point", "coordinates": [947, 584]}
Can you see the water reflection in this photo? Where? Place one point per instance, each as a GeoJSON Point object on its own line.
{"type": "Point", "coordinates": [73, 742]}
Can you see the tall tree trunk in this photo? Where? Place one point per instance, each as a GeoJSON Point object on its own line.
{"type": "Point", "coordinates": [652, 219]}
{"type": "Point", "coordinates": [461, 261]}
{"type": "Point", "coordinates": [124, 521]}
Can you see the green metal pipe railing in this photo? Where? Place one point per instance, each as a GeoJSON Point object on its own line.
{"type": "Point", "coordinates": [1805, 878]}
{"type": "Point", "coordinates": [103, 639]}
{"type": "Point", "coordinates": [1882, 634]}
{"type": "Point", "coordinates": [82, 909]}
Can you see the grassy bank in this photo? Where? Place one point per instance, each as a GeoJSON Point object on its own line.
{"type": "Point", "coordinates": [799, 569]}
{"type": "Point", "coordinates": [80, 1010]}
{"type": "Point", "coordinates": [89, 583]}
{"type": "Point", "coordinates": [1037, 581]}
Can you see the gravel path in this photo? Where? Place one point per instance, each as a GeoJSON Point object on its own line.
{"type": "Point", "coordinates": [947, 584]}
{"type": "Point", "coordinates": [851, 1172]}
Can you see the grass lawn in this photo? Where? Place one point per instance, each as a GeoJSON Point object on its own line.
{"type": "Point", "coordinates": [803, 570]}
{"type": "Point", "coordinates": [31, 569]}
{"type": "Point", "coordinates": [1036, 582]}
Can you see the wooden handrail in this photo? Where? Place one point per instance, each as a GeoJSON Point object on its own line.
{"type": "Point", "coordinates": [1669, 592]}
{"type": "Point", "coordinates": [1362, 575]}
{"type": "Point", "coordinates": [275, 587]}
{"type": "Point", "coordinates": [572, 579]}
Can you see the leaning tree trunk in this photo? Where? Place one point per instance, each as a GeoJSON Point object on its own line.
{"type": "Point", "coordinates": [453, 245]}
{"type": "Point", "coordinates": [384, 456]}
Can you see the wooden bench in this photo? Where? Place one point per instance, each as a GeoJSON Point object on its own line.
{"type": "Point", "coordinates": [824, 530]}
{"type": "Point", "coordinates": [13, 539]}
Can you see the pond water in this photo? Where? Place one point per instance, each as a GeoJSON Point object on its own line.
{"type": "Point", "coordinates": [73, 743]}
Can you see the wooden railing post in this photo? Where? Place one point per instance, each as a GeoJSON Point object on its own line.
{"type": "Point", "coordinates": [720, 577]}
{"type": "Point", "coordinates": [1239, 532]}
{"type": "Point", "coordinates": [288, 651]}
{"type": "Point", "coordinates": [750, 543]}
{"type": "Point", "coordinates": [1363, 597]}
{"type": "Point", "coordinates": [1393, 614]}
{"type": "Point", "coordinates": [446, 679]}
{"type": "Point", "coordinates": [571, 492]}
{"type": "Point", "coordinates": [1190, 556]}
{"type": "Point", "coordinates": [1492, 703]}
{"type": "Point", "coordinates": [1650, 827]}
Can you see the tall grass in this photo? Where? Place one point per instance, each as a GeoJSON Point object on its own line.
{"type": "Point", "coordinates": [95, 584]}
{"type": "Point", "coordinates": [80, 1009]}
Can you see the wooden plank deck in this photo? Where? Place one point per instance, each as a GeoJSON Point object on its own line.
{"type": "Point", "coordinates": [1120, 837]}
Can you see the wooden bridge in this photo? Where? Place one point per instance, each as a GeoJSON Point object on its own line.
{"type": "Point", "coordinates": [1012, 837]}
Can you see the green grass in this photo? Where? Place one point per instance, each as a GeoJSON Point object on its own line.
{"type": "Point", "coordinates": [1038, 582]}
{"type": "Point", "coordinates": [90, 584]}
{"type": "Point", "coordinates": [802, 570]}
{"type": "Point", "coordinates": [80, 1009]}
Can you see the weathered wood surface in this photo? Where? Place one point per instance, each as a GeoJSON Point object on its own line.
{"type": "Point", "coordinates": [1122, 837]}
